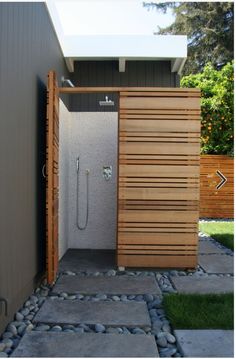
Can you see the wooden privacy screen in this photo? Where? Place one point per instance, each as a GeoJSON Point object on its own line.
{"type": "Point", "coordinates": [159, 146]}
{"type": "Point", "coordinates": [52, 154]}
{"type": "Point", "coordinates": [216, 203]}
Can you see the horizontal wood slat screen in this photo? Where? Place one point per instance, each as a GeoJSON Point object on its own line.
{"type": "Point", "coordinates": [216, 203]}
{"type": "Point", "coordinates": [158, 192]}
{"type": "Point", "coordinates": [52, 164]}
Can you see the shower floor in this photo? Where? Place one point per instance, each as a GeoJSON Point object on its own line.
{"type": "Point", "coordinates": [76, 260]}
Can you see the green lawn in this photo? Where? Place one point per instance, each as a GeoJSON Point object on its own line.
{"type": "Point", "coordinates": [222, 232]}
{"type": "Point", "coordinates": [200, 311]}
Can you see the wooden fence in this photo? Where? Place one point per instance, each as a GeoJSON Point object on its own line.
{"type": "Point", "coordinates": [159, 135]}
{"type": "Point", "coordinates": [216, 203]}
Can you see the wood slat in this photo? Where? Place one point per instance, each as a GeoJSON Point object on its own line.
{"type": "Point", "coordinates": [77, 90]}
{"type": "Point", "coordinates": [189, 194]}
{"type": "Point", "coordinates": [157, 261]}
{"type": "Point", "coordinates": [159, 148]}
{"type": "Point", "coordinates": [154, 125]}
{"type": "Point", "coordinates": [159, 171]}
{"type": "Point", "coordinates": [157, 239]}
{"type": "Point", "coordinates": [158, 216]}
{"type": "Point", "coordinates": [160, 103]}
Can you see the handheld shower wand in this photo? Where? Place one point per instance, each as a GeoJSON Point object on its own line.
{"type": "Point", "coordinates": [77, 197]}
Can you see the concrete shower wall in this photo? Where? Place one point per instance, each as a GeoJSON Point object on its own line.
{"type": "Point", "coordinates": [93, 137]}
{"type": "Point", "coordinates": [64, 123]}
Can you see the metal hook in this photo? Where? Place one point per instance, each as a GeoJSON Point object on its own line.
{"type": "Point", "coordinates": [5, 305]}
{"type": "Point", "coordinates": [43, 170]}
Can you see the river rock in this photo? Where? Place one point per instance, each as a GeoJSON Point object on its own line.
{"type": "Point", "coordinates": [99, 328]}
{"type": "Point", "coordinates": [56, 328]}
{"type": "Point", "coordinates": [168, 352]}
{"type": "Point", "coordinates": [16, 323]}
{"type": "Point", "coordinates": [42, 327]}
{"type": "Point", "coordinates": [101, 296]}
{"type": "Point", "coordinates": [2, 346]}
{"type": "Point", "coordinates": [139, 298]}
{"type": "Point", "coordinates": [21, 329]}
{"type": "Point", "coordinates": [27, 303]}
{"type": "Point", "coordinates": [111, 273]}
{"type": "Point", "coordinates": [25, 312]}
{"type": "Point", "coordinates": [148, 297]}
{"type": "Point", "coordinates": [85, 327]}
{"type": "Point", "coordinates": [29, 328]}
{"type": "Point", "coordinates": [34, 299]}
{"type": "Point", "coordinates": [8, 343]}
{"type": "Point", "coordinates": [138, 331]}
{"type": "Point", "coordinates": [126, 330]}
{"type": "Point", "coordinates": [11, 328]}
{"type": "Point", "coordinates": [3, 355]}
{"type": "Point", "coordinates": [7, 335]}
{"type": "Point", "coordinates": [19, 316]}
{"type": "Point", "coordinates": [157, 304]}
{"type": "Point", "coordinates": [170, 338]}
{"type": "Point", "coordinates": [115, 298]}
{"type": "Point", "coordinates": [166, 327]}
{"type": "Point", "coordinates": [161, 341]}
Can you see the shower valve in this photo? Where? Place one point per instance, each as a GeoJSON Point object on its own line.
{"type": "Point", "coordinates": [107, 172]}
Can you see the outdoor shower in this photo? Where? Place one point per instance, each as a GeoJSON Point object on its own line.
{"type": "Point", "coordinates": [107, 102]}
{"type": "Point", "coordinates": [77, 196]}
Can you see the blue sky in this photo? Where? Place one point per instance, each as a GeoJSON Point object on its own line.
{"type": "Point", "coordinates": [109, 17]}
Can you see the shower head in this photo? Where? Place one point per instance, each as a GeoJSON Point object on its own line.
{"type": "Point", "coordinates": [107, 102]}
{"type": "Point", "coordinates": [66, 81]}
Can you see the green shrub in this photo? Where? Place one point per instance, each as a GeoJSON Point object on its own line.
{"type": "Point", "coordinates": [216, 107]}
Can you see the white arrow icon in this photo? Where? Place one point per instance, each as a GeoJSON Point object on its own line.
{"type": "Point", "coordinates": [223, 180]}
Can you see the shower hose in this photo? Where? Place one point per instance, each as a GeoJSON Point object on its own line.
{"type": "Point", "coordinates": [87, 201]}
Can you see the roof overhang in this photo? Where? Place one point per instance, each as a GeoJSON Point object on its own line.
{"type": "Point", "coordinates": [126, 48]}
{"type": "Point", "coordinates": [120, 47]}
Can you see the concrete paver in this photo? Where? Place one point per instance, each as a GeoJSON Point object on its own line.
{"type": "Point", "coordinates": [108, 285]}
{"type": "Point", "coordinates": [66, 345]}
{"type": "Point", "coordinates": [208, 247]}
{"type": "Point", "coordinates": [216, 263]}
{"type": "Point", "coordinates": [203, 285]}
{"type": "Point", "coordinates": [129, 314]}
{"type": "Point", "coordinates": [206, 343]}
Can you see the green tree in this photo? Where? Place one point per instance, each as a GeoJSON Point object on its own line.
{"type": "Point", "coordinates": [217, 105]}
{"type": "Point", "coordinates": [209, 27]}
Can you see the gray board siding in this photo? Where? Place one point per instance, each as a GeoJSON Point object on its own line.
{"type": "Point", "coordinates": [28, 50]}
{"type": "Point", "coordinates": [106, 73]}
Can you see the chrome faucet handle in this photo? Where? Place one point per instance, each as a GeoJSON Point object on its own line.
{"type": "Point", "coordinates": [107, 172]}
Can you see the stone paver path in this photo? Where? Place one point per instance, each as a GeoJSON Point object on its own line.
{"type": "Point", "coordinates": [216, 263]}
{"type": "Point", "coordinates": [108, 285]}
{"type": "Point", "coordinates": [95, 311]}
{"type": "Point", "coordinates": [206, 343]}
{"type": "Point", "coordinates": [209, 247]}
{"type": "Point", "coordinates": [54, 345]}
{"type": "Point", "coordinates": [107, 313]}
{"type": "Point", "coordinates": [203, 285]}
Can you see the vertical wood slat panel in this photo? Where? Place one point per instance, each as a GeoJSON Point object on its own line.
{"type": "Point", "coordinates": [158, 193]}
{"type": "Point", "coordinates": [216, 203]}
{"type": "Point", "coordinates": [52, 177]}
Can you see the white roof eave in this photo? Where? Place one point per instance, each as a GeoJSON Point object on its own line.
{"type": "Point", "coordinates": [120, 47]}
